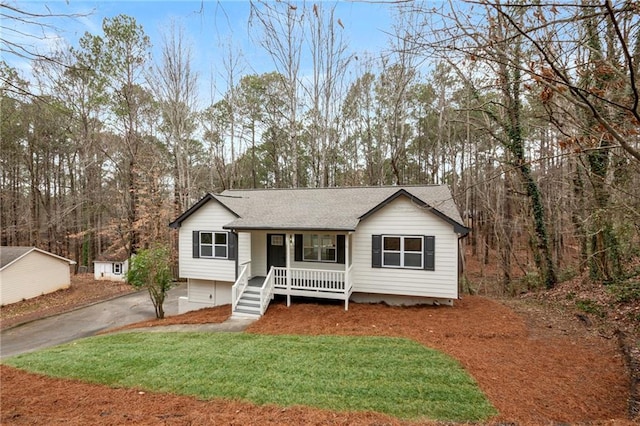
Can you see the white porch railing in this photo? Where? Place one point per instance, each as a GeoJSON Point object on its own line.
{"type": "Point", "coordinates": [297, 282]}
{"type": "Point", "coordinates": [266, 291]}
{"type": "Point", "coordinates": [240, 285]}
{"type": "Point", "coordinates": [313, 283]}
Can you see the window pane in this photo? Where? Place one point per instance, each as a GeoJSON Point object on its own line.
{"type": "Point", "coordinates": [221, 251]}
{"type": "Point", "coordinates": [329, 254]}
{"type": "Point", "coordinates": [392, 243]}
{"type": "Point", "coordinates": [206, 251]}
{"type": "Point", "coordinates": [392, 259]}
{"type": "Point", "coordinates": [306, 240]}
{"type": "Point", "coordinates": [328, 240]}
{"type": "Point", "coordinates": [413, 260]}
{"type": "Point", "coordinates": [310, 253]}
{"type": "Point", "coordinates": [221, 238]}
{"type": "Point", "coordinates": [205, 238]}
{"type": "Point", "coordinates": [413, 244]}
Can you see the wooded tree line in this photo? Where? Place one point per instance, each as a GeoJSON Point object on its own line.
{"type": "Point", "coordinates": [529, 113]}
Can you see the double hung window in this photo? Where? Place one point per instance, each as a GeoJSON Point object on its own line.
{"type": "Point", "coordinates": [319, 248]}
{"type": "Point", "coordinates": [214, 245]}
{"type": "Point", "coordinates": [402, 251]}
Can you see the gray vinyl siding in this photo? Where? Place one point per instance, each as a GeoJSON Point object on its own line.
{"type": "Point", "coordinates": [402, 217]}
{"type": "Point", "coordinates": [33, 275]}
{"type": "Point", "coordinates": [210, 217]}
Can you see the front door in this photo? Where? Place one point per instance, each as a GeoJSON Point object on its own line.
{"type": "Point", "coordinates": [276, 251]}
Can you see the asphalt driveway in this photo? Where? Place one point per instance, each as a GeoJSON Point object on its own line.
{"type": "Point", "coordinates": [84, 322]}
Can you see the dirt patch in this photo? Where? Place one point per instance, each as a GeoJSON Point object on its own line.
{"type": "Point", "coordinates": [533, 374]}
{"type": "Point", "coordinates": [83, 291]}
{"type": "Point", "coordinates": [202, 316]}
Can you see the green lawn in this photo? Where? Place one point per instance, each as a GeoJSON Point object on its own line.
{"type": "Point", "coordinates": [388, 375]}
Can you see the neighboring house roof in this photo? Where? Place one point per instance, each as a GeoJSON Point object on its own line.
{"type": "Point", "coordinates": [10, 255]}
{"type": "Point", "coordinates": [112, 255]}
{"type": "Point", "coordinates": [337, 209]}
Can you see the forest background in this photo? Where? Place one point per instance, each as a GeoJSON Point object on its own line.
{"type": "Point", "coordinates": [530, 113]}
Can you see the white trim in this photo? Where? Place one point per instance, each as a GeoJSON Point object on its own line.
{"type": "Point", "coordinates": [288, 241]}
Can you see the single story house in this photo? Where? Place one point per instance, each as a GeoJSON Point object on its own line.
{"type": "Point", "coordinates": [394, 244]}
{"type": "Point", "coordinates": [111, 265]}
{"type": "Point", "coordinates": [27, 272]}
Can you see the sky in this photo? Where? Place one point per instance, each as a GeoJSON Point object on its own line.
{"type": "Point", "coordinates": [210, 26]}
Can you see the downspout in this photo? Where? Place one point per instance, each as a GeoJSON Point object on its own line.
{"type": "Point", "coordinates": [236, 253]}
{"type": "Point", "coordinates": [461, 265]}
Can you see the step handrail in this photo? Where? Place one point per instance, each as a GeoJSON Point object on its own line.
{"type": "Point", "coordinates": [266, 291]}
{"type": "Point", "coordinates": [239, 286]}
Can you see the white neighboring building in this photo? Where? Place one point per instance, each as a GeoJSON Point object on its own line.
{"type": "Point", "coordinates": [111, 266]}
{"type": "Point", "coordinates": [394, 244]}
{"type": "Point", "coordinates": [27, 272]}
{"type": "Point", "coordinates": [110, 270]}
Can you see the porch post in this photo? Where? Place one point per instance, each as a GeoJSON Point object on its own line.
{"type": "Point", "coordinates": [288, 272]}
{"type": "Point", "coordinates": [347, 278]}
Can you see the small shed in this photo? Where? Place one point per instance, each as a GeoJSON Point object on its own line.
{"type": "Point", "coordinates": [27, 272]}
{"type": "Point", "coordinates": [111, 265]}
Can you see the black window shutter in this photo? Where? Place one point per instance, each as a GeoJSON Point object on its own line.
{"type": "Point", "coordinates": [298, 247]}
{"type": "Point", "coordinates": [232, 242]}
{"type": "Point", "coordinates": [340, 248]}
{"type": "Point", "coordinates": [376, 251]}
{"type": "Point", "coordinates": [430, 253]}
{"type": "Point", "coordinates": [196, 244]}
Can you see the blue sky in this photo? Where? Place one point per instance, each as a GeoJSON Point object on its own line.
{"type": "Point", "coordinates": [209, 25]}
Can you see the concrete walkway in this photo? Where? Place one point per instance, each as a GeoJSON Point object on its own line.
{"type": "Point", "coordinates": [230, 325]}
{"type": "Point", "coordinates": [89, 320]}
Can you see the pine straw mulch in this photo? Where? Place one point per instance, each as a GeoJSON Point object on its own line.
{"type": "Point", "coordinates": [531, 370]}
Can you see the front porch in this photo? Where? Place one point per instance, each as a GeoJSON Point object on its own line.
{"type": "Point", "coordinates": [251, 296]}
{"type": "Point", "coordinates": [291, 263]}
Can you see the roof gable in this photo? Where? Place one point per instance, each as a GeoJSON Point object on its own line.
{"type": "Point", "coordinates": [114, 254]}
{"type": "Point", "coordinates": [10, 255]}
{"type": "Point", "coordinates": [457, 227]}
{"type": "Point", "coordinates": [204, 200]}
{"type": "Point", "coordinates": [334, 209]}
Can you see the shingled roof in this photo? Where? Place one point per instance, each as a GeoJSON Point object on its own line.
{"type": "Point", "coordinates": [336, 209]}
{"type": "Point", "coordinates": [9, 255]}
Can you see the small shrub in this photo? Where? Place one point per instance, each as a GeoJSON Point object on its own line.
{"type": "Point", "coordinates": [566, 275]}
{"type": "Point", "coordinates": [531, 281]}
{"type": "Point", "coordinates": [150, 269]}
{"type": "Point", "coordinates": [590, 307]}
{"type": "Point", "coordinates": [625, 292]}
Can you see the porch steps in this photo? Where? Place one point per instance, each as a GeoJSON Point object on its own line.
{"type": "Point", "coordinates": [249, 304]}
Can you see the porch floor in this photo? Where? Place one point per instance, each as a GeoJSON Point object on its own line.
{"type": "Point", "coordinates": [256, 281]}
